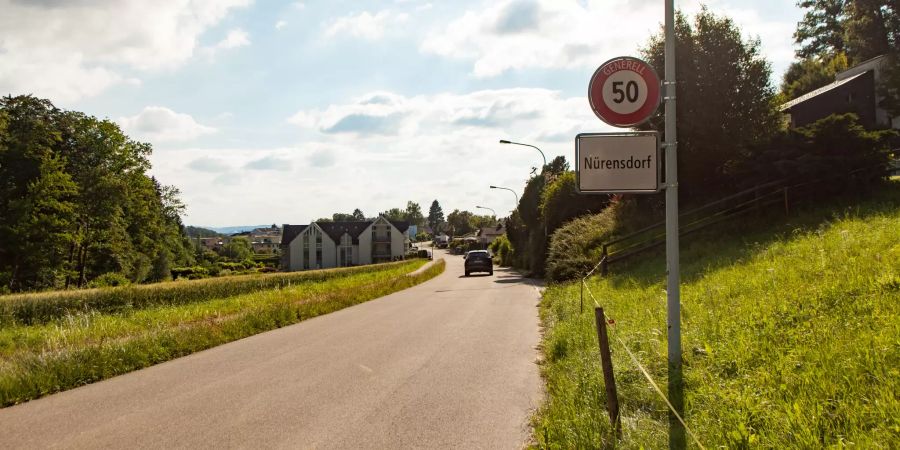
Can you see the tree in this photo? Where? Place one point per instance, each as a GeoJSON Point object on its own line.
{"type": "Point", "coordinates": [435, 216]}
{"type": "Point", "coordinates": [413, 214]}
{"type": "Point", "coordinates": [460, 222]}
{"type": "Point", "coordinates": [862, 29]}
{"type": "Point", "coordinates": [482, 221]}
{"type": "Point", "coordinates": [811, 73]}
{"type": "Point", "coordinates": [358, 215]}
{"type": "Point", "coordinates": [76, 190]}
{"type": "Point", "coordinates": [725, 101]}
{"type": "Point", "coordinates": [821, 32]}
{"type": "Point", "coordinates": [556, 167]}
{"type": "Point", "coordinates": [394, 214]}
{"type": "Point", "coordinates": [341, 217]}
{"type": "Point", "coordinates": [867, 28]}
{"type": "Point", "coordinates": [237, 249]}
{"type": "Point", "coordinates": [35, 196]}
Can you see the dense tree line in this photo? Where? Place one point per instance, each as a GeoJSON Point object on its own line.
{"type": "Point", "coordinates": [76, 201]}
{"type": "Point", "coordinates": [412, 214]}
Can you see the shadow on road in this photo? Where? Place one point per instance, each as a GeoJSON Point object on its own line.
{"type": "Point", "coordinates": [510, 280]}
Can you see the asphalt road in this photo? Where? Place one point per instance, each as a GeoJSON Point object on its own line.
{"type": "Point", "coordinates": [446, 364]}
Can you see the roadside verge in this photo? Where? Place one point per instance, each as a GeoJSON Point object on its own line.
{"type": "Point", "coordinates": [37, 360]}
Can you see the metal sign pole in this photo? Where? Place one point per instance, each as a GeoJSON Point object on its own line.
{"type": "Point", "coordinates": [673, 290]}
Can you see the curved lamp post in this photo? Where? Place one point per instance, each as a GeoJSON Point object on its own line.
{"type": "Point", "coordinates": [510, 190]}
{"type": "Point", "coordinates": [504, 141]}
{"type": "Point", "coordinates": [490, 209]}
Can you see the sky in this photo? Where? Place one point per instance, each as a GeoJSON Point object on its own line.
{"type": "Point", "coordinates": [283, 112]}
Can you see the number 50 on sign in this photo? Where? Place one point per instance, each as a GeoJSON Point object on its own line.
{"type": "Point", "coordinates": [624, 92]}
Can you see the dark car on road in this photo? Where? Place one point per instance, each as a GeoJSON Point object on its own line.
{"type": "Point", "coordinates": [479, 261]}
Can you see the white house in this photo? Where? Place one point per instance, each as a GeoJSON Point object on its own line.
{"type": "Point", "coordinates": [486, 235]}
{"type": "Point", "coordinates": [323, 245]}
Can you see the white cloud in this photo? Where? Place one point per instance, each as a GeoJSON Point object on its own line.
{"type": "Point", "coordinates": [70, 50]}
{"type": "Point", "coordinates": [270, 162]}
{"type": "Point", "coordinates": [280, 24]}
{"type": "Point", "coordinates": [556, 34]}
{"type": "Point", "coordinates": [365, 25]}
{"type": "Point", "coordinates": [208, 164]}
{"type": "Point", "coordinates": [234, 39]}
{"type": "Point", "coordinates": [380, 113]}
{"type": "Point", "coordinates": [442, 145]}
{"type": "Point", "coordinates": [160, 124]}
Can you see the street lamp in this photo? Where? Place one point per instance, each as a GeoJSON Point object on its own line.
{"type": "Point", "coordinates": [504, 141]}
{"type": "Point", "coordinates": [510, 190]}
{"type": "Point", "coordinates": [491, 209]}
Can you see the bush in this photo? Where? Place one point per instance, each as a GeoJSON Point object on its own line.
{"type": "Point", "coordinates": [502, 249]}
{"type": "Point", "coordinates": [575, 247]}
{"type": "Point", "coordinates": [230, 266]}
{"type": "Point", "coordinates": [111, 279]}
{"type": "Point", "coordinates": [191, 273]}
{"type": "Point", "coordinates": [561, 202]}
{"type": "Point", "coordinates": [831, 146]}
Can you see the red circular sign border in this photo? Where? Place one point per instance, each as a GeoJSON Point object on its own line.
{"type": "Point", "coordinates": [624, 120]}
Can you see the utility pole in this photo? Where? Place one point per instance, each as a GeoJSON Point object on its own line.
{"type": "Point", "coordinates": [673, 291]}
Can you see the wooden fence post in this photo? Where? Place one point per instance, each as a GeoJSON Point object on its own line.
{"type": "Point", "coordinates": [609, 379]}
{"type": "Point", "coordinates": [787, 209]}
{"type": "Point", "coordinates": [581, 308]}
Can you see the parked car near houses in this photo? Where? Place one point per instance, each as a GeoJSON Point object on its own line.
{"type": "Point", "coordinates": [479, 261]}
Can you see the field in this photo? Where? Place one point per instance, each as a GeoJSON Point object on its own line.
{"type": "Point", "coordinates": [55, 341]}
{"type": "Point", "coordinates": [791, 337]}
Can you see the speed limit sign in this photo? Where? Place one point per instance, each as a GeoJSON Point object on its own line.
{"type": "Point", "coordinates": [624, 92]}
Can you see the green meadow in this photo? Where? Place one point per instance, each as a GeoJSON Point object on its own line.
{"type": "Point", "coordinates": [791, 337]}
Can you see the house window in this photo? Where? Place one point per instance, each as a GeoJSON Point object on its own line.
{"type": "Point", "coordinates": [305, 247]}
{"type": "Point", "coordinates": [345, 252]}
{"type": "Point", "coordinates": [318, 258]}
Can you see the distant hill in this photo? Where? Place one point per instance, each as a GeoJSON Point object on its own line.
{"type": "Point", "coordinates": [196, 232]}
{"type": "Point", "coordinates": [234, 229]}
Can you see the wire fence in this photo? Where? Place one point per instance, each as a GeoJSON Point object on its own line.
{"type": "Point", "coordinates": [637, 362]}
{"type": "Point", "coordinates": [755, 199]}
{"type": "Point", "coordinates": [779, 192]}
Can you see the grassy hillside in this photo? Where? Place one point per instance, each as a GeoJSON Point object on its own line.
{"type": "Point", "coordinates": [791, 337]}
{"type": "Point", "coordinates": [101, 337]}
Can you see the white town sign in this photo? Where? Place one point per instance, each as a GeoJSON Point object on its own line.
{"type": "Point", "coordinates": [617, 162]}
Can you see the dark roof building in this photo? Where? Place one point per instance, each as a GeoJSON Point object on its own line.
{"type": "Point", "coordinates": [290, 232]}
{"type": "Point", "coordinates": [335, 230]}
{"type": "Point", "coordinates": [853, 91]}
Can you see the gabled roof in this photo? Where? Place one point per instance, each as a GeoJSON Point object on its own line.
{"type": "Point", "coordinates": [335, 230]}
{"type": "Point", "coordinates": [400, 225]}
{"type": "Point", "coordinates": [819, 91]}
{"type": "Point", "coordinates": [291, 232]}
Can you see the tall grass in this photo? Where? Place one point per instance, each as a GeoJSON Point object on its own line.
{"type": "Point", "coordinates": [791, 338]}
{"type": "Point", "coordinates": [78, 349]}
{"type": "Point", "coordinates": [42, 307]}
